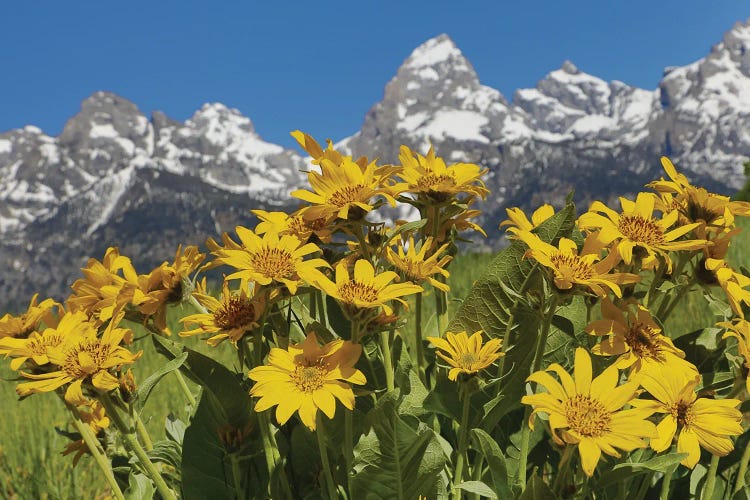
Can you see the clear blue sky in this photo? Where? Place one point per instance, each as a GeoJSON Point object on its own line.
{"type": "Point", "coordinates": [319, 66]}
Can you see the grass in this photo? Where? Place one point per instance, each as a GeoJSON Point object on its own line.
{"type": "Point", "coordinates": [31, 465]}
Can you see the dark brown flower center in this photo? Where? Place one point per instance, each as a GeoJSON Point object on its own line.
{"type": "Point", "coordinates": [346, 194]}
{"type": "Point", "coordinates": [644, 341]}
{"type": "Point", "coordinates": [572, 266]}
{"type": "Point", "coordinates": [86, 358]}
{"type": "Point", "coordinates": [275, 263]}
{"type": "Point", "coordinates": [237, 312]}
{"type": "Point", "coordinates": [354, 291]}
{"type": "Point", "coordinates": [683, 412]}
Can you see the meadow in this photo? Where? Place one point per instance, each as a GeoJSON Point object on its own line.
{"type": "Point", "coordinates": [31, 463]}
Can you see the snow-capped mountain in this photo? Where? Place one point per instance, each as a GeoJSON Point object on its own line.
{"type": "Point", "coordinates": [117, 177]}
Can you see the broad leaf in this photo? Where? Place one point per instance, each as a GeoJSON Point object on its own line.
{"type": "Point", "coordinates": [144, 389]}
{"type": "Point", "coordinates": [495, 460]}
{"type": "Point", "coordinates": [140, 487]}
{"type": "Point", "coordinates": [479, 488]}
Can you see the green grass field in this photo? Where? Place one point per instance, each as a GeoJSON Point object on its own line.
{"type": "Point", "coordinates": [31, 466]}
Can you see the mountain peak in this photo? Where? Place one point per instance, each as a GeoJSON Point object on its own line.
{"type": "Point", "coordinates": [434, 51]}
{"type": "Point", "coordinates": [215, 115]}
{"type": "Point", "coordinates": [569, 68]}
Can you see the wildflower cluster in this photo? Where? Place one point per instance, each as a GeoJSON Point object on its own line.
{"type": "Point", "coordinates": [321, 374]}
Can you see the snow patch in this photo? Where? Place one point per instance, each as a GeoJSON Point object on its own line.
{"type": "Point", "coordinates": [456, 124]}
{"type": "Point", "coordinates": [432, 52]}
{"type": "Point", "coordinates": [104, 130]}
{"type": "Point", "coordinates": [5, 146]}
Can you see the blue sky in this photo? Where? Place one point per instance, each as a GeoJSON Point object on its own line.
{"type": "Point", "coordinates": [319, 66]}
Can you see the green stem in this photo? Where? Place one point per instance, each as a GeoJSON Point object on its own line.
{"type": "Point", "coordinates": [463, 434]}
{"type": "Point", "coordinates": [96, 451]}
{"type": "Point", "coordinates": [541, 342]}
{"type": "Point", "coordinates": [385, 346]}
{"type": "Point", "coordinates": [198, 306]}
{"type": "Point", "coordinates": [236, 475]}
{"type": "Point", "coordinates": [143, 433]}
{"type": "Point", "coordinates": [130, 440]}
{"type": "Point", "coordinates": [185, 389]}
{"type": "Point", "coordinates": [643, 489]}
{"type": "Point", "coordinates": [562, 468]}
{"type": "Point", "coordinates": [664, 312]}
{"type": "Point", "coordinates": [511, 319]}
{"type": "Point", "coordinates": [664, 495]}
{"type": "Point", "coordinates": [269, 450]}
{"type": "Point", "coordinates": [348, 441]}
{"type": "Point", "coordinates": [743, 469]}
{"type": "Point", "coordinates": [708, 487]}
{"type": "Point", "coordinates": [441, 309]}
{"type": "Point", "coordinates": [655, 282]}
{"type": "Point", "coordinates": [418, 339]}
{"type": "Point", "coordinates": [320, 433]}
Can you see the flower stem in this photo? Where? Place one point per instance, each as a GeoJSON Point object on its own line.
{"type": "Point", "coordinates": [740, 483]}
{"type": "Point", "coordinates": [562, 468]}
{"type": "Point", "coordinates": [418, 339]}
{"type": "Point", "coordinates": [385, 346]}
{"type": "Point", "coordinates": [664, 495]}
{"type": "Point", "coordinates": [185, 389]}
{"type": "Point", "coordinates": [541, 342]}
{"type": "Point", "coordinates": [441, 310]}
{"type": "Point", "coordinates": [348, 443]}
{"type": "Point", "coordinates": [320, 433]}
{"type": "Point", "coordinates": [666, 307]}
{"type": "Point", "coordinates": [96, 451]}
{"type": "Point", "coordinates": [708, 486]}
{"type": "Point", "coordinates": [131, 443]}
{"type": "Point", "coordinates": [236, 475]}
{"type": "Point", "coordinates": [463, 434]}
{"type": "Point", "coordinates": [143, 433]}
{"type": "Point", "coordinates": [511, 319]}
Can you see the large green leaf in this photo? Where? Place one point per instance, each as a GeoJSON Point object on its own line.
{"type": "Point", "coordinates": [495, 460]}
{"type": "Point", "coordinates": [400, 458]}
{"type": "Point", "coordinates": [495, 298]}
{"type": "Point", "coordinates": [144, 389]}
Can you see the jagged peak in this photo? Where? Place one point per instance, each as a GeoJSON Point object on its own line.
{"type": "Point", "coordinates": [103, 99]}
{"type": "Point", "coordinates": [435, 50]}
{"type": "Point", "coordinates": [219, 112]}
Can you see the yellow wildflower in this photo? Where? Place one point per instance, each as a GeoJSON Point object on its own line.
{"type": "Point", "coordinates": [466, 354]}
{"type": "Point", "coordinates": [740, 329]}
{"type": "Point", "coordinates": [517, 220]}
{"type": "Point", "coordinates": [416, 266]}
{"type": "Point", "coordinates": [36, 315]}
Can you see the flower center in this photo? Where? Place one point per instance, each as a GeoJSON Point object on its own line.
{"type": "Point", "coordinates": [354, 291]}
{"type": "Point", "coordinates": [643, 341]}
{"type": "Point", "coordinates": [237, 312]}
{"type": "Point", "coordinates": [274, 263]}
{"type": "Point", "coordinates": [346, 194]}
{"type": "Point", "coordinates": [85, 358]}
{"type": "Point", "coordinates": [430, 181]}
{"type": "Point", "coordinates": [587, 416]}
{"type": "Point", "coordinates": [467, 360]}
{"type": "Point", "coordinates": [641, 230]}
{"type": "Point", "coordinates": [39, 345]}
{"type": "Point", "coordinates": [308, 378]}
{"type": "Point", "coordinates": [571, 266]}
{"type": "Point", "coordinates": [683, 412]}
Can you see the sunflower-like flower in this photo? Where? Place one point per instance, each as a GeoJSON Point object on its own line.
{"type": "Point", "coordinates": [712, 211]}
{"type": "Point", "coordinates": [733, 283]}
{"type": "Point", "coordinates": [306, 378]}
{"type": "Point", "coordinates": [636, 228]}
{"type": "Point", "coordinates": [365, 289]}
{"type": "Point", "coordinates": [229, 318]}
{"type": "Point", "coordinates": [588, 413]}
{"type": "Point", "coordinates": [92, 414]}
{"type": "Point", "coordinates": [517, 220]}
{"type": "Point", "coordinates": [459, 221]}
{"type": "Point", "coordinates": [38, 314]}
{"type": "Point", "coordinates": [633, 335]}
{"type": "Point", "coordinates": [82, 356]}
{"type": "Point", "coordinates": [300, 224]}
{"type": "Point", "coordinates": [345, 190]}
{"type": "Point", "coordinates": [271, 259]}
{"type": "Point", "coordinates": [430, 178]}
{"type": "Point", "coordinates": [740, 329]}
{"type": "Point", "coordinates": [36, 347]}
{"type": "Point", "coordinates": [570, 268]}
{"type": "Point", "coordinates": [699, 422]}
{"type": "Point", "coordinates": [414, 264]}
{"type": "Point", "coordinates": [466, 354]}
{"type": "Point", "coordinates": [105, 287]}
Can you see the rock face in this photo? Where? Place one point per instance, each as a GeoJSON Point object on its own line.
{"type": "Point", "coordinates": [117, 177]}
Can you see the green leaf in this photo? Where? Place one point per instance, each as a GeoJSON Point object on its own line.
{"type": "Point", "coordinates": [537, 489]}
{"type": "Point", "coordinates": [495, 460]}
{"type": "Point", "coordinates": [144, 389]}
{"type": "Point", "coordinates": [140, 487]}
{"type": "Point", "coordinates": [479, 488]}
{"type": "Point", "coordinates": [662, 463]}
{"type": "Point", "coordinates": [174, 428]}
{"type": "Point", "coordinates": [395, 459]}
{"type": "Point", "coordinates": [488, 306]}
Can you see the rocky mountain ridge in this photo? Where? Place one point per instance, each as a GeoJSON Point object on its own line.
{"type": "Point", "coordinates": [116, 177]}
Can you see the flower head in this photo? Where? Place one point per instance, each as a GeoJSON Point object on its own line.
{"type": "Point", "coordinates": [430, 178]}
{"type": "Point", "coordinates": [82, 356]}
{"type": "Point", "coordinates": [466, 354]}
{"type": "Point", "coordinates": [517, 220]}
{"type": "Point", "coordinates": [732, 282]}
{"type": "Point", "coordinates": [416, 266]}
{"type": "Point", "coordinates": [300, 224]}
{"type": "Point", "coordinates": [271, 259]}
{"type": "Point", "coordinates": [740, 330]}
{"type": "Point", "coordinates": [698, 422]}
{"type": "Point", "coordinates": [570, 268]}
{"type": "Point", "coordinates": [633, 335]}
{"type": "Point", "coordinates": [227, 318]}
{"type": "Point", "coordinates": [636, 229]}
{"type": "Point", "coordinates": [588, 413]}
{"type": "Point", "coordinates": [38, 314]}
{"type": "Point", "coordinates": [365, 289]}
{"type": "Point", "coordinates": [306, 378]}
